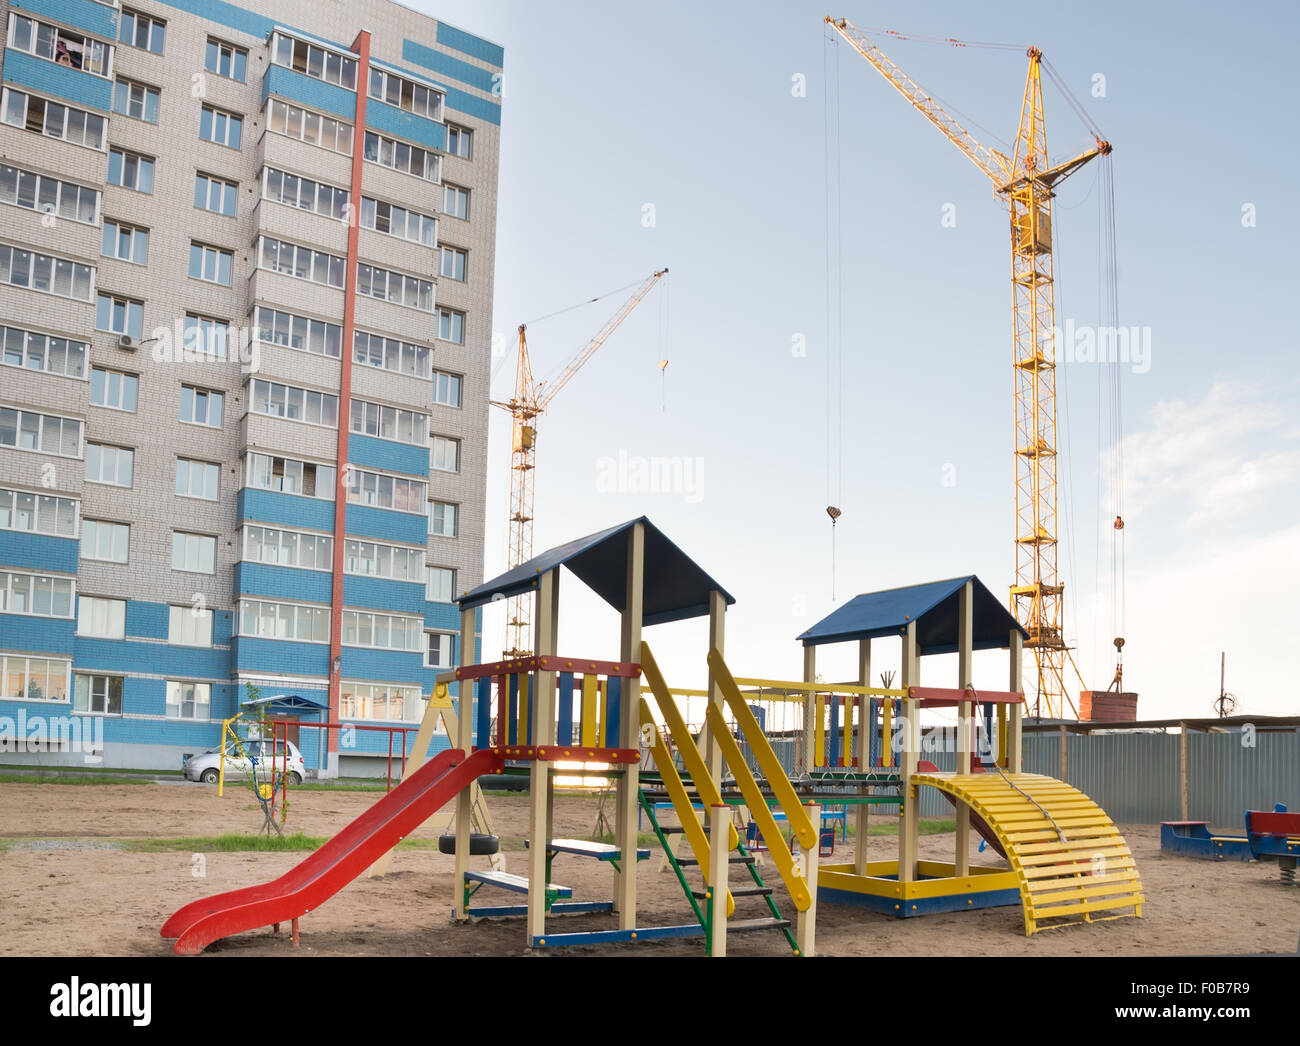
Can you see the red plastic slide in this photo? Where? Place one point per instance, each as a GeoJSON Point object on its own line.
{"type": "Point", "coordinates": [337, 863]}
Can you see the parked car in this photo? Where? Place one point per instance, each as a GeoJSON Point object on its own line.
{"type": "Point", "coordinates": [206, 767]}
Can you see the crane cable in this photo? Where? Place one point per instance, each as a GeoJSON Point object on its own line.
{"type": "Point", "coordinates": [834, 294]}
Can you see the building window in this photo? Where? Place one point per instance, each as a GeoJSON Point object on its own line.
{"type": "Point", "coordinates": [223, 128]}
{"type": "Point", "coordinates": [405, 94]}
{"type": "Point", "coordinates": [314, 61]}
{"type": "Point", "coordinates": [189, 626]}
{"type": "Point", "coordinates": [384, 422]}
{"type": "Point", "coordinates": [273, 327]}
{"type": "Point", "coordinates": [45, 273]}
{"type": "Point", "coordinates": [396, 287]}
{"type": "Point", "coordinates": [289, 476]}
{"type": "Point", "coordinates": [97, 695]}
{"type": "Point", "coordinates": [371, 559]}
{"type": "Point", "coordinates": [210, 264]}
{"type": "Point", "coordinates": [101, 618]}
{"type": "Point", "coordinates": [375, 350]}
{"type": "Point", "coordinates": [33, 678]}
{"type": "Point", "coordinates": [455, 201]}
{"type": "Point", "coordinates": [215, 194]}
{"type": "Point", "coordinates": [376, 701]}
{"type": "Point", "coordinates": [451, 326]}
{"type": "Point", "coordinates": [288, 548]}
{"type": "Point", "coordinates": [113, 466]}
{"type": "Point", "coordinates": [444, 454]}
{"type": "Point", "coordinates": [309, 127]}
{"type": "Point", "coordinates": [206, 335]}
{"type": "Point", "coordinates": [197, 479]}
{"type": "Point", "coordinates": [59, 45]}
{"type": "Point", "coordinates": [142, 31]}
{"type": "Point", "coordinates": [439, 584]}
{"type": "Point", "coordinates": [295, 404]}
{"type": "Point", "coordinates": [398, 221]}
{"type": "Point", "coordinates": [452, 262]}
{"type": "Point", "coordinates": [27, 430]}
{"type": "Point", "coordinates": [303, 263]}
{"type": "Point", "coordinates": [305, 194]}
{"type": "Point", "coordinates": [443, 517]}
{"type": "Point", "coordinates": [130, 170]}
{"type": "Point", "coordinates": [400, 156]}
{"type": "Point", "coordinates": [381, 491]}
{"type": "Point", "coordinates": [188, 700]}
{"type": "Point", "coordinates": [31, 513]}
{"type": "Point", "coordinates": [119, 315]}
{"type": "Point", "coordinates": [125, 242]}
{"type": "Point", "coordinates": [43, 352]}
{"type": "Point", "coordinates": [194, 553]}
{"type": "Point", "coordinates": [137, 101]}
{"type": "Point", "coordinates": [36, 595]}
{"type": "Point", "coordinates": [225, 60]}
{"type": "Point", "coordinates": [201, 406]}
{"type": "Point", "coordinates": [381, 631]}
{"type": "Point", "coordinates": [437, 654]}
{"type": "Point", "coordinates": [40, 192]}
{"type": "Point", "coordinates": [113, 389]}
{"type": "Point", "coordinates": [267, 620]}
{"type": "Point", "coordinates": [460, 141]}
{"type": "Point", "coordinates": [52, 119]}
{"type": "Point", "coordinates": [446, 389]}
{"type": "Point", "coordinates": [107, 542]}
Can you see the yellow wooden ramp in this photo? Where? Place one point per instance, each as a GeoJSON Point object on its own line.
{"type": "Point", "coordinates": [1071, 861]}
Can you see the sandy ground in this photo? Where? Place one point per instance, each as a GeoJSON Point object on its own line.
{"type": "Point", "coordinates": [67, 888]}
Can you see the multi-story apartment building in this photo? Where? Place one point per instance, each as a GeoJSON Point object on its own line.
{"type": "Point", "coordinates": [246, 264]}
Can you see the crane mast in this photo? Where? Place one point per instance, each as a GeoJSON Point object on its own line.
{"type": "Point", "coordinates": [1027, 184]}
{"type": "Point", "coordinates": [530, 400]}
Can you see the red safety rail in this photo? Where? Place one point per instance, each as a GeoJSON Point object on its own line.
{"type": "Point", "coordinates": [1273, 823]}
{"type": "Point", "coordinates": [940, 697]}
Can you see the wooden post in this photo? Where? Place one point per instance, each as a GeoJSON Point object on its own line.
{"type": "Point", "coordinates": [809, 710]}
{"type": "Point", "coordinates": [861, 828]}
{"type": "Point", "coordinates": [541, 710]}
{"type": "Point", "coordinates": [909, 824]}
{"type": "Point", "coordinates": [629, 730]}
{"type": "Point", "coordinates": [805, 926]}
{"type": "Point", "coordinates": [464, 741]}
{"type": "Point", "coordinates": [1182, 772]}
{"type": "Point", "coordinates": [965, 716]}
{"type": "Point", "coordinates": [719, 866]}
{"type": "Point", "coordinates": [1016, 713]}
{"type": "Point", "coordinates": [717, 625]}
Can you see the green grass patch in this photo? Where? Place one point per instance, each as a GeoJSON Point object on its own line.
{"type": "Point", "coordinates": [227, 843]}
{"type": "Point", "coordinates": [114, 772]}
{"type": "Point", "coordinates": [50, 778]}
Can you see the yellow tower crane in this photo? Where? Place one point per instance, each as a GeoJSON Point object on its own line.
{"type": "Point", "coordinates": [529, 400]}
{"type": "Point", "coordinates": [1027, 182]}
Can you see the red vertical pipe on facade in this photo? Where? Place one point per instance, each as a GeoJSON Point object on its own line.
{"type": "Point", "coordinates": [362, 48]}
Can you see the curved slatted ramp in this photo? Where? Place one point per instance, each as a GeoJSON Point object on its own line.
{"type": "Point", "coordinates": [1072, 863]}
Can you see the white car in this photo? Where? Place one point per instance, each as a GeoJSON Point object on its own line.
{"type": "Point", "coordinates": [207, 767]}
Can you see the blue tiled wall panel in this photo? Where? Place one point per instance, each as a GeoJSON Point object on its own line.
{"type": "Point", "coordinates": [61, 81]}
{"type": "Point", "coordinates": [260, 579]}
{"type": "Point", "coordinates": [286, 510]}
{"type": "Point", "coordinates": [369, 522]}
{"type": "Point", "coordinates": [444, 616]}
{"type": "Point", "coordinates": [465, 43]}
{"type": "Point", "coordinates": [147, 620]}
{"type": "Point", "coordinates": [446, 65]}
{"type": "Point", "coordinates": [38, 552]}
{"type": "Point", "coordinates": [472, 105]}
{"type": "Point", "coordinates": [369, 452]}
{"type": "Point", "coordinates": [96, 19]}
{"type": "Point", "coordinates": [420, 130]}
{"type": "Point", "coordinates": [38, 635]}
{"type": "Point", "coordinates": [124, 657]}
{"type": "Point", "coordinates": [226, 14]}
{"type": "Point", "coordinates": [193, 736]}
{"type": "Point", "coordinates": [223, 627]}
{"type": "Point", "coordinates": [388, 666]}
{"type": "Point", "coordinates": [382, 594]}
{"type": "Point", "coordinates": [375, 742]}
{"type": "Point", "coordinates": [254, 655]}
{"type": "Point", "coordinates": [315, 94]}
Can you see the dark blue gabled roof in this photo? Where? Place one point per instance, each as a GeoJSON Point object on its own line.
{"type": "Point", "coordinates": [676, 587]}
{"type": "Point", "coordinates": [934, 608]}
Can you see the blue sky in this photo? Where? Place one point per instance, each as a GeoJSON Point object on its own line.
{"type": "Point", "coordinates": [689, 108]}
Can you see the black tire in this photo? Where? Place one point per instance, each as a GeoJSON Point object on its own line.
{"type": "Point", "coordinates": [209, 776]}
{"type": "Point", "coordinates": [295, 778]}
{"type": "Point", "coordinates": [479, 845]}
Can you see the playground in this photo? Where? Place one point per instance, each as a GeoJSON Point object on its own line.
{"type": "Point", "coordinates": [88, 886]}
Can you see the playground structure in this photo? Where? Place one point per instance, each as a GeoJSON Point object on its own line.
{"type": "Point", "coordinates": [1272, 835]}
{"type": "Point", "coordinates": [1066, 860]}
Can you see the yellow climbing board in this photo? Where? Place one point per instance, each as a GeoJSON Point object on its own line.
{"type": "Point", "coordinates": [1069, 858]}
